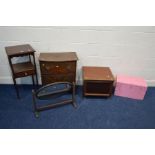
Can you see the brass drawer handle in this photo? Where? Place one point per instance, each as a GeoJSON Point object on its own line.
{"type": "Point", "coordinates": [47, 67]}
{"type": "Point", "coordinates": [43, 65]}
{"type": "Point", "coordinates": [26, 74]}
{"type": "Point", "coordinates": [57, 66]}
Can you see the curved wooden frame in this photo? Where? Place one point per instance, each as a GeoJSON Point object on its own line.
{"type": "Point", "coordinates": [35, 95]}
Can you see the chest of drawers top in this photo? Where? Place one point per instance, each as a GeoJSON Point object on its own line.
{"type": "Point", "coordinates": [58, 57]}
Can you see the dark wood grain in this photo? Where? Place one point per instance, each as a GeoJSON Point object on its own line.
{"type": "Point", "coordinates": [19, 50]}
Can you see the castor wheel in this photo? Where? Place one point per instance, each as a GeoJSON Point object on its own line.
{"type": "Point", "coordinates": [36, 114]}
{"type": "Point", "coordinates": [75, 105]}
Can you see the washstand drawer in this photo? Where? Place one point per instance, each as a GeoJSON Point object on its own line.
{"type": "Point", "coordinates": [25, 73]}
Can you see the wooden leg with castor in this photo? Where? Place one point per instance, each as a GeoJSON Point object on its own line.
{"type": "Point", "coordinates": [33, 80]}
{"type": "Point", "coordinates": [16, 88]}
{"type": "Point", "coordinates": [73, 95]}
{"type": "Point", "coordinates": [36, 113]}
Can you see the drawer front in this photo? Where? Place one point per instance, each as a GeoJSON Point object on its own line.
{"type": "Point", "coordinates": [47, 79]}
{"type": "Point", "coordinates": [25, 73]}
{"type": "Point", "coordinates": [57, 67]}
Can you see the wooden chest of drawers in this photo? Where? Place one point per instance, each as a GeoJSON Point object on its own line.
{"type": "Point", "coordinates": [58, 67]}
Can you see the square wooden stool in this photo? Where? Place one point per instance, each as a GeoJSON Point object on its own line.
{"type": "Point", "coordinates": [97, 81]}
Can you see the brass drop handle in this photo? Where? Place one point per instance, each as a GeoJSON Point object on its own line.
{"type": "Point", "coordinates": [57, 66]}
{"type": "Point", "coordinates": [43, 65]}
{"type": "Point", "coordinates": [25, 73]}
{"type": "Point", "coordinates": [47, 67]}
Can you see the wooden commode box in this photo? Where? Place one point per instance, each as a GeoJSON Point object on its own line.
{"type": "Point", "coordinates": [97, 81]}
{"type": "Point", "coordinates": [58, 67]}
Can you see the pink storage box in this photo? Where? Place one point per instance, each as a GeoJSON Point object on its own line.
{"type": "Point", "coordinates": [131, 87]}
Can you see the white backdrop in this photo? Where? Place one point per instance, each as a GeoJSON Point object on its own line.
{"type": "Point", "coordinates": [127, 50]}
